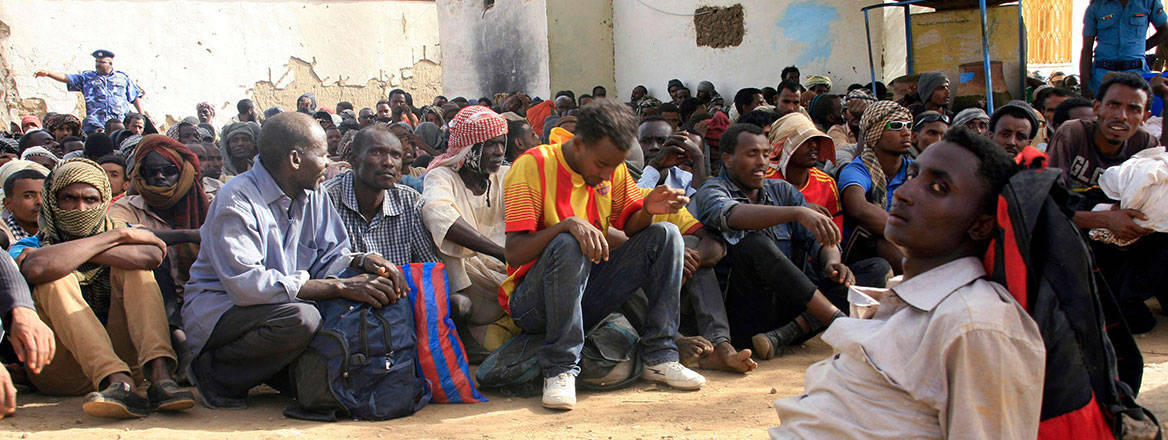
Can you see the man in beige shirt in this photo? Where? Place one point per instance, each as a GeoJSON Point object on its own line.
{"type": "Point", "coordinates": [947, 353]}
{"type": "Point", "coordinates": [463, 211]}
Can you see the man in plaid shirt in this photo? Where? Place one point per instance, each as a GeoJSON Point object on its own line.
{"type": "Point", "coordinates": [379, 214]}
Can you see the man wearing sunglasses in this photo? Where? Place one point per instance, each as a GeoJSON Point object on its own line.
{"type": "Point", "coordinates": [171, 203]}
{"type": "Point", "coordinates": [927, 130]}
{"type": "Point", "coordinates": [866, 183]}
{"type": "Point", "coordinates": [366, 118]}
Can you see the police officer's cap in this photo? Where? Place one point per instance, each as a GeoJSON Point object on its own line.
{"type": "Point", "coordinates": [102, 53]}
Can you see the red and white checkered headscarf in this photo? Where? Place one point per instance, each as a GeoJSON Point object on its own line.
{"type": "Point", "coordinates": [472, 125]}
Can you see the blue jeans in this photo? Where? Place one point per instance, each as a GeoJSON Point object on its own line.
{"type": "Point", "coordinates": [564, 294]}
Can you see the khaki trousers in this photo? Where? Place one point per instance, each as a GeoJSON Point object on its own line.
{"type": "Point", "coordinates": [87, 352]}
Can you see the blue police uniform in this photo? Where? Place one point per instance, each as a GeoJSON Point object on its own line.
{"type": "Point", "coordinates": [1121, 34]}
{"type": "Point", "coordinates": [106, 96]}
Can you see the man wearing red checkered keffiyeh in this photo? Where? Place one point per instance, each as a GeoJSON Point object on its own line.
{"type": "Point", "coordinates": [469, 128]}
{"type": "Point", "coordinates": [463, 211]}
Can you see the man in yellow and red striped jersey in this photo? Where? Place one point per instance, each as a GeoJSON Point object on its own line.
{"type": "Point", "coordinates": [561, 200]}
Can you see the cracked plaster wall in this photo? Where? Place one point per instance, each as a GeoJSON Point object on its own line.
{"type": "Point", "coordinates": [220, 52]}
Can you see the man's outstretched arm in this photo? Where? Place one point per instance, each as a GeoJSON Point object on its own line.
{"type": "Point", "coordinates": [60, 77]}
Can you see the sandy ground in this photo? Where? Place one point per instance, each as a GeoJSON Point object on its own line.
{"type": "Point", "coordinates": [730, 407]}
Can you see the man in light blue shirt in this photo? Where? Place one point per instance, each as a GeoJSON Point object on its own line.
{"type": "Point", "coordinates": [1121, 29]}
{"type": "Point", "coordinates": [273, 242]}
{"type": "Point", "coordinates": [665, 151]}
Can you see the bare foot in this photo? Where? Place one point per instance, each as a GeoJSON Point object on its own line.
{"type": "Point", "coordinates": [726, 358]}
{"type": "Point", "coordinates": [691, 348]}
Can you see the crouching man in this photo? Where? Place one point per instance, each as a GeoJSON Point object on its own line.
{"type": "Point", "coordinates": [93, 285]}
{"type": "Point", "coordinates": [276, 239]}
{"type": "Point", "coordinates": [948, 354]}
{"type": "Point", "coordinates": [560, 201]}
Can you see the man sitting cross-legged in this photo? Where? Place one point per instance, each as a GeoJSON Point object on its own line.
{"type": "Point", "coordinates": [380, 214]}
{"type": "Point", "coordinates": [947, 354]}
{"type": "Point", "coordinates": [93, 285]}
{"type": "Point", "coordinates": [560, 200]}
{"type": "Point", "coordinates": [770, 231]}
{"type": "Point", "coordinates": [703, 308]}
{"type": "Point", "coordinates": [170, 202]}
{"type": "Point", "coordinates": [799, 145]}
{"type": "Point", "coordinates": [276, 238]}
{"type": "Point", "coordinates": [867, 182]}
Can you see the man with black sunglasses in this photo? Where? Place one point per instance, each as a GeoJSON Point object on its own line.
{"type": "Point", "coordinates": [366, 118]}
{"type": "Point", "coordinates": [171, 203]}
{"type": "Point", "coordinates": [927, 130]}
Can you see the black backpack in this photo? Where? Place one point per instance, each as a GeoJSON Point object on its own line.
{"type": "Point", "coordinates": [608, 361]}
{"type": "Point", "coordinates": [361, 364]}
{"type": "Point", "coordinates": [1093, 364]}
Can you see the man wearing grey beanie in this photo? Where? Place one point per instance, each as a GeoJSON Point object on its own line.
{"type": "Point", "coordinates": [974, 119]}
{"type": "Point", "coordinates": [934, 91]}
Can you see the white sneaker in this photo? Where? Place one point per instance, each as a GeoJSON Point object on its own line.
{"type": "Point", "coordinates": [559, 392]}
{"type": "Point", "coordinates": [673, 374]}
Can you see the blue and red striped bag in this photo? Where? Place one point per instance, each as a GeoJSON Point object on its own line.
{"type": "Point", "coordinates": [441, 357]}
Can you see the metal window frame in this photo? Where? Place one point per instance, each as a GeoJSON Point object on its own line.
{"type": "Point", "coordinates": [985, 46]}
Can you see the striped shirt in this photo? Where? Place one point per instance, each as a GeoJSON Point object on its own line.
{"type": "Point", "coordinates": [819, 189]}
{"type": "Point", "coordinates": [683, 219]}
{"type": "Point", "coordinates": [541, 190]}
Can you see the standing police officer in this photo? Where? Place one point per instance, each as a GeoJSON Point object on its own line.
{"type": "Point", "coordinates": [1120, 27]}
{"type": "Point", "coordinates": [108, 93]}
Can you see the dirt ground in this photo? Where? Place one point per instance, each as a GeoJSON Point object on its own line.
{"type": "Point", "coordinates": [729, 407]}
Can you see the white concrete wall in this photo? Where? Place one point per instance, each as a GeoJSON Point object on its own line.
{"type": "Point", "coordinates": [184, 52]}
{"type": "Point", "coordinates": [1080, 9]}
{"type": "Point", "coordinates": [819, 36]}
{"type": "Point", "coordinates": [580, 49]}
{"type": "Point", "coordinates": [503, 49]}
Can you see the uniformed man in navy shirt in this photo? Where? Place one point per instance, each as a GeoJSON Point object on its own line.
{"type": "Point", "coordinates": [108, 93]}
{"type": "Point", "coordinates": [1121, 29]}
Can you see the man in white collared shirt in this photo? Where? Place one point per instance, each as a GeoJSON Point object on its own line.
{"type": "Point", "coordinates": [948, 353]}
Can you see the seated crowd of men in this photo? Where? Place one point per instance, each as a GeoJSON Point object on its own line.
{"type": "Point", "coordinates": [194, 255]}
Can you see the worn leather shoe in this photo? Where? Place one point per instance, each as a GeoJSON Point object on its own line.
{"type": "Point", "coordinates": [167, 396]}
{"type": "Point", "coordinates": [116, 401]}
